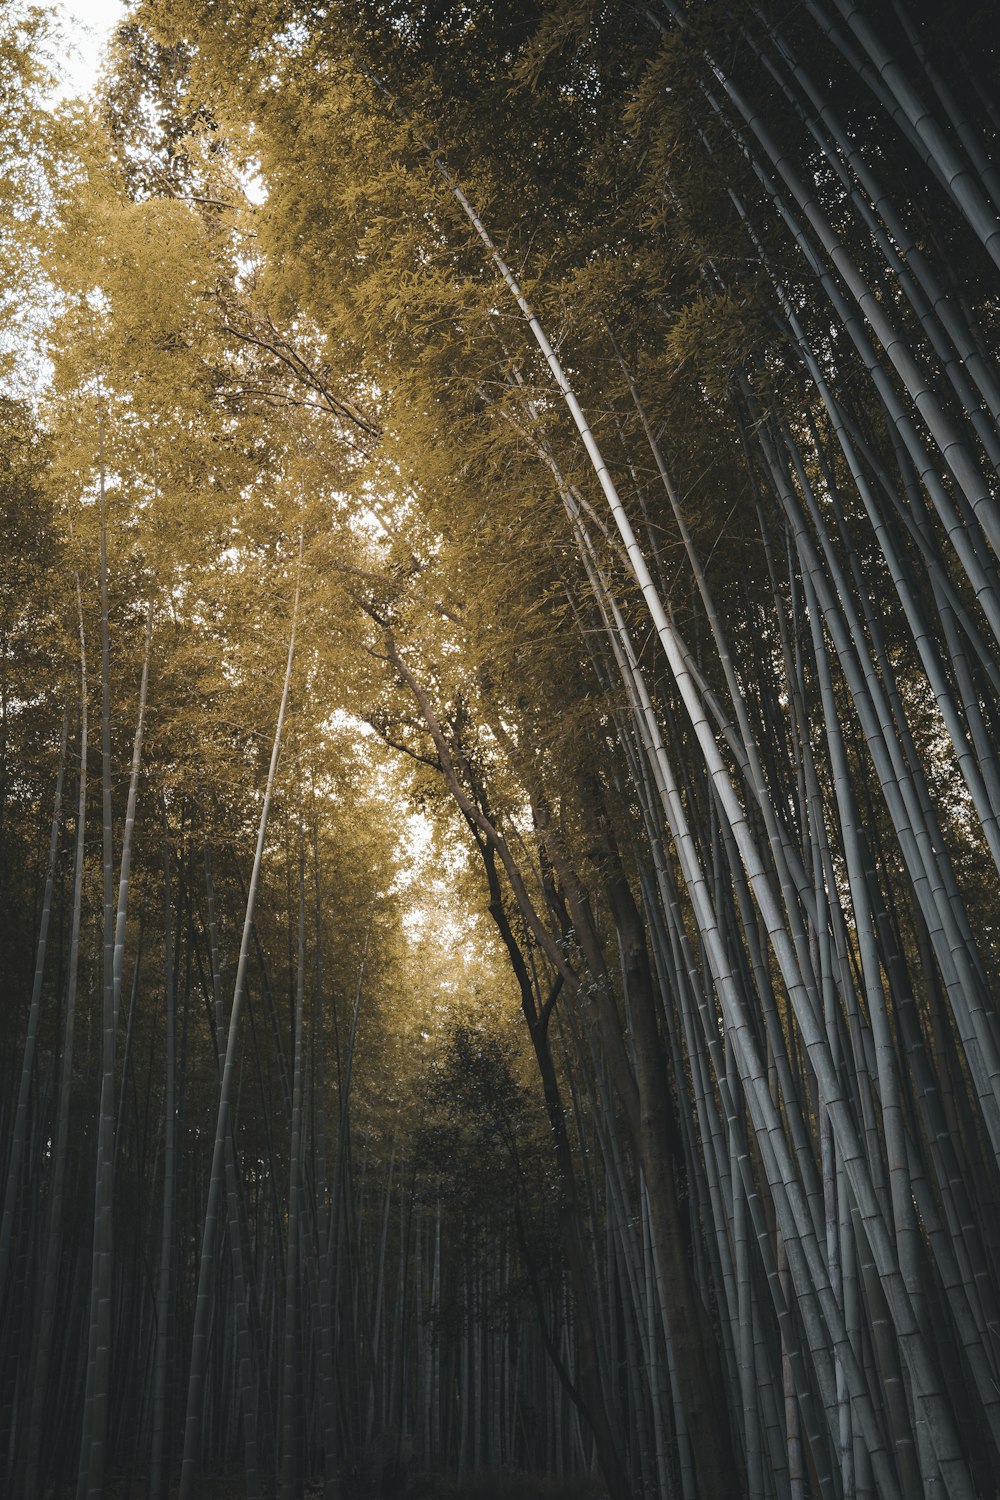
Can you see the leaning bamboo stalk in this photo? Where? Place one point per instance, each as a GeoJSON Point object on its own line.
{"type": "Point", "coordinates": [248, 1356]}
{"type": "Point", "coordinates": [199, 1341]}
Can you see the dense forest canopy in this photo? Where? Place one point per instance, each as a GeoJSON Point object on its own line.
{"type": "Point", "coordinates": [499, 781]}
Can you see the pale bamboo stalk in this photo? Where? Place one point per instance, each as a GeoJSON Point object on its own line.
{"type": "Point", "coordinates": [196, 1380]}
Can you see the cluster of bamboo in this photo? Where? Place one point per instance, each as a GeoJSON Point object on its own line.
{"type": "Point", "coordinates": [748, 901]}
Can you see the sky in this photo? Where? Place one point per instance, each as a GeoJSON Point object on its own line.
{"type": "Point", "coordinates": [86, 25]}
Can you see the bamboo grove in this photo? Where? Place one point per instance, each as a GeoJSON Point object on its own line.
{"type": "Point", "coordinates": [499, 780]}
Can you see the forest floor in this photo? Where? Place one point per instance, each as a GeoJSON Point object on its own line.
{"type": "Point", "coordinates": [509, 1486]}
{"type": "Point", "coordinates": [502, 1487]}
